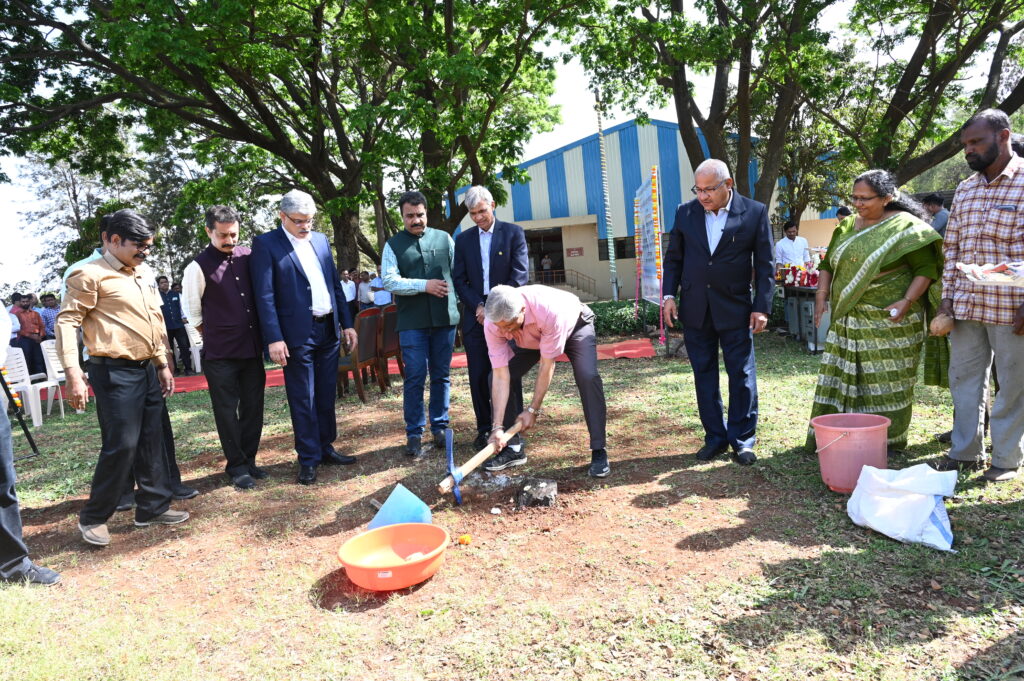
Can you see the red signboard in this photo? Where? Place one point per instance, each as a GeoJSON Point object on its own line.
{"type": "Point", "coordinates": [574, 252]}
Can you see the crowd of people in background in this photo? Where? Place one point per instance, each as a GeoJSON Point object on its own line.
{"type": "Point", "coordinates": [890, 266]}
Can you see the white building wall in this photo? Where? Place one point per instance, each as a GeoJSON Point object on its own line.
{"type": "Point", "coordinates": [647, 140]}
{"type": "Point", "coordinates": [616, 198]}
{"type": "Point", "coordinates": [540, 205]}
{"type": "Point", "coordinates": [575, 182]}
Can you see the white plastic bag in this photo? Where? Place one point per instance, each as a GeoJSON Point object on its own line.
{"type": "Point", "coordinates": [905, 505]}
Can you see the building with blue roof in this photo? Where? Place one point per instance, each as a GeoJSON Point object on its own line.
{"type": "Point", "coordinates": [562, 210]}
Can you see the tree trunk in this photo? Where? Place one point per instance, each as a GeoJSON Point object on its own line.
{"type": "Point", "coordinates": [346, 248]}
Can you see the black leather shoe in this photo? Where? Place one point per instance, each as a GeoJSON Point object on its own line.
{"type": "Point", "coordinates": [481, 441]}
{"type": "Point", "coordinates": [307, 475]}
{"type": "Point", "coordinates": [332, 458]}
{"type": "Point", "coordinates": [243, 481]}
{"type": "Point", "coordinates": [948, 464]}
{"type": "Point", "coordinates": [708, 452]}
{"type": "Point", "coordinates": [744, 457]}
{"type": "Point", "coordinates": [126, 503]}
{"type": "Point", "coordinates": [413, 447]}
{"type": "Point", "coordinates": [182, 492]}
{"type": "Point", "coordinates": [438, 438]}
{"type": "Point", "coordinates": [257, 473]}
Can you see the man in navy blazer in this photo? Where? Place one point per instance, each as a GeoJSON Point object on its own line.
{"type": "Point", "coordinates": [720, 246]}
{"type": "Point", "coordinates": [492, 253]}
{"type": "Point", "coordinates": [300, 304]}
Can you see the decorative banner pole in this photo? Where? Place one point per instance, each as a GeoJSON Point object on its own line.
{"type": "Point", "coordinates": [656, 204]}
{"type": "Point", "coordinates": [638, 239]}
{"type": "Point", "coordinates": [609, 229]}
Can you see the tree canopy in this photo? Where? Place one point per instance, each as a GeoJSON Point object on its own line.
{"type": "Point", "coordinates": [330, 95]}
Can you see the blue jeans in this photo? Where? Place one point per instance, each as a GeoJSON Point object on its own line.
{"type": "Point", "coordinates": [424, 349]}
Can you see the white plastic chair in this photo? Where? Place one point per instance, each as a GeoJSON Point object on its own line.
{"type": "Point", "coordinates": [195, 340]}
{"type": "Point", "coordinates": [54, 373]}
{"type": "Point", "coordinates": [17, 372]}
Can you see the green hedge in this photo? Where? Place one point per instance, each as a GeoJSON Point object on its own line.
{"type": "Point", "coordinates": [616, 318]}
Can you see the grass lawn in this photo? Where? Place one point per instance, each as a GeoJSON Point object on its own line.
{"type": "Point", "coordinates": [668, 569]}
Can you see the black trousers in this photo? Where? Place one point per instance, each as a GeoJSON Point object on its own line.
{"type": "Point", "coordinates": [478, 364]}
{"type": "Point", "coordinates": [581, 348]}
{"type": "Point", "coordinates": [130, 409]}
{"type": "Point", "coordinates": [170, 460]}
{"type": "Point", "coordinates": [180, 338]}
{"type": "Point", "coordinates": [236, 392]}
{"type": "Point", "coordinates": [33, 354]}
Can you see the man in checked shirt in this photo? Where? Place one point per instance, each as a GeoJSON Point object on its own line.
{"type": "Point", "coordinates": [986, 225]}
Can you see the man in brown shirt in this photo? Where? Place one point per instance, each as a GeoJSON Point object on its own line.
{"type": "Point", "coordinates": [118, 311]}
{"type": "Point", "coordinates": [31, 334]}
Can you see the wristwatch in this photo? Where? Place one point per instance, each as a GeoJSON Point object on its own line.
{"type": "Point", "coordinates": [535, 412]}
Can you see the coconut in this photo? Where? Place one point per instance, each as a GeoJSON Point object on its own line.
{"type": "Point", "coordinates": [941, 325]}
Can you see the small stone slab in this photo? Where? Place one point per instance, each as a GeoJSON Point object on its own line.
{"type": "Point", "coordinates": [536, 492]}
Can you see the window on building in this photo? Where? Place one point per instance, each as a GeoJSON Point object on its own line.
{"type": "Point", "coordinates": [625, 247]}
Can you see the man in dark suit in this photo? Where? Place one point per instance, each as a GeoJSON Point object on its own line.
{"type": "Point", "coordinates": [720, 245]}
{"type": "Point", "coordinates": [300, 303]}
{"type": "Point", "coordinates": [492, 253]}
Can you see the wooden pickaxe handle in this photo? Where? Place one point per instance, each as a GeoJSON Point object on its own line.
{"type": "Point", "coordinates": [478, 458]}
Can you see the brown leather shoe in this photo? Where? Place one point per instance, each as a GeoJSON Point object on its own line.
{"type": "Point", "coordinates": [996, 474]}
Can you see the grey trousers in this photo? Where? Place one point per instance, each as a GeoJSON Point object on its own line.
{"type": "Point", "coordinates": [974, 346]}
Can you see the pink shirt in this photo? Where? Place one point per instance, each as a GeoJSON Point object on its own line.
{"type": "Point", "coordinates": [551, 315]}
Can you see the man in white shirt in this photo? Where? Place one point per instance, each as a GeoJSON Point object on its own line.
{"type": "Point", "coordinates": [348, 286]}
{"type": "Point", "coordinates": [793, 250]}
{"type": "Point", "coordinates": [381, 297]}
{"type": "Point", "coordinates": [363, 292]}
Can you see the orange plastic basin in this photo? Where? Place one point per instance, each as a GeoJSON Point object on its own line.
{"type": "Point", "coordinates": [394, 556]}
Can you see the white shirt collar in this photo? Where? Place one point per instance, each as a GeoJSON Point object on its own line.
{"type": "Point", "coordinates": [490, 228]}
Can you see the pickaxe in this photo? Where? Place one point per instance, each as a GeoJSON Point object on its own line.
{"type": "Point", "coordinates": [451, 483]}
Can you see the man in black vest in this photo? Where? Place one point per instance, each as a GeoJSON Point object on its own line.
{"type": "Point", "coordinates": [488, 255]}
{"type": "Point", "coordinates": [218, 299]}
{"type": "Point", "coordinates": [417, 268]}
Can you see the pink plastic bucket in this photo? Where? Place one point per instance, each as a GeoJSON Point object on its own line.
{"type": "Point", "coordinates": [848, 442]}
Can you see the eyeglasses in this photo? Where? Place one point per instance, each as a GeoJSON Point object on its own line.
{"type": "Point", "coordinates": [139, 247]}
{"type": "Point", "coordinates": [699, 190]}
{"type": "Point", "coordinates": [305, 222]}
{"type": "Point", "coordinates": [861, 199]}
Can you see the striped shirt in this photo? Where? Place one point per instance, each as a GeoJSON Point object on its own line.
{"type": "Point", "coordinates": [986, 225]}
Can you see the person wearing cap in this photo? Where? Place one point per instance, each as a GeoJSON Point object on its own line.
{"type": "Point", "coordinates": [118, 310]}
{"type": "Point", "coordinates": [301, 307]}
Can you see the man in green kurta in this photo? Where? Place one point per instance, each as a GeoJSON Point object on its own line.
{"type": "Point", "coordinates": [416, 265]}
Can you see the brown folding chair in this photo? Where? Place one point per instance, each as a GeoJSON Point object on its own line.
{"type": "Point", "coordinates": [367, 326]}
{"type": "Point", "coordinates": [389, 343]}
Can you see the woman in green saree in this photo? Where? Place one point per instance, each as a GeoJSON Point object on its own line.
{"type": "Point", "coordinates": [881, 279]}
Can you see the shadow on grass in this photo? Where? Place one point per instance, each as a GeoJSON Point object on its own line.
{"type": "Point", "coordinates": [878, 593]}
{"type": "Point", "coordinates": [1001, 661]}
{"type": "Point", "coordinates": [335, 591]}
